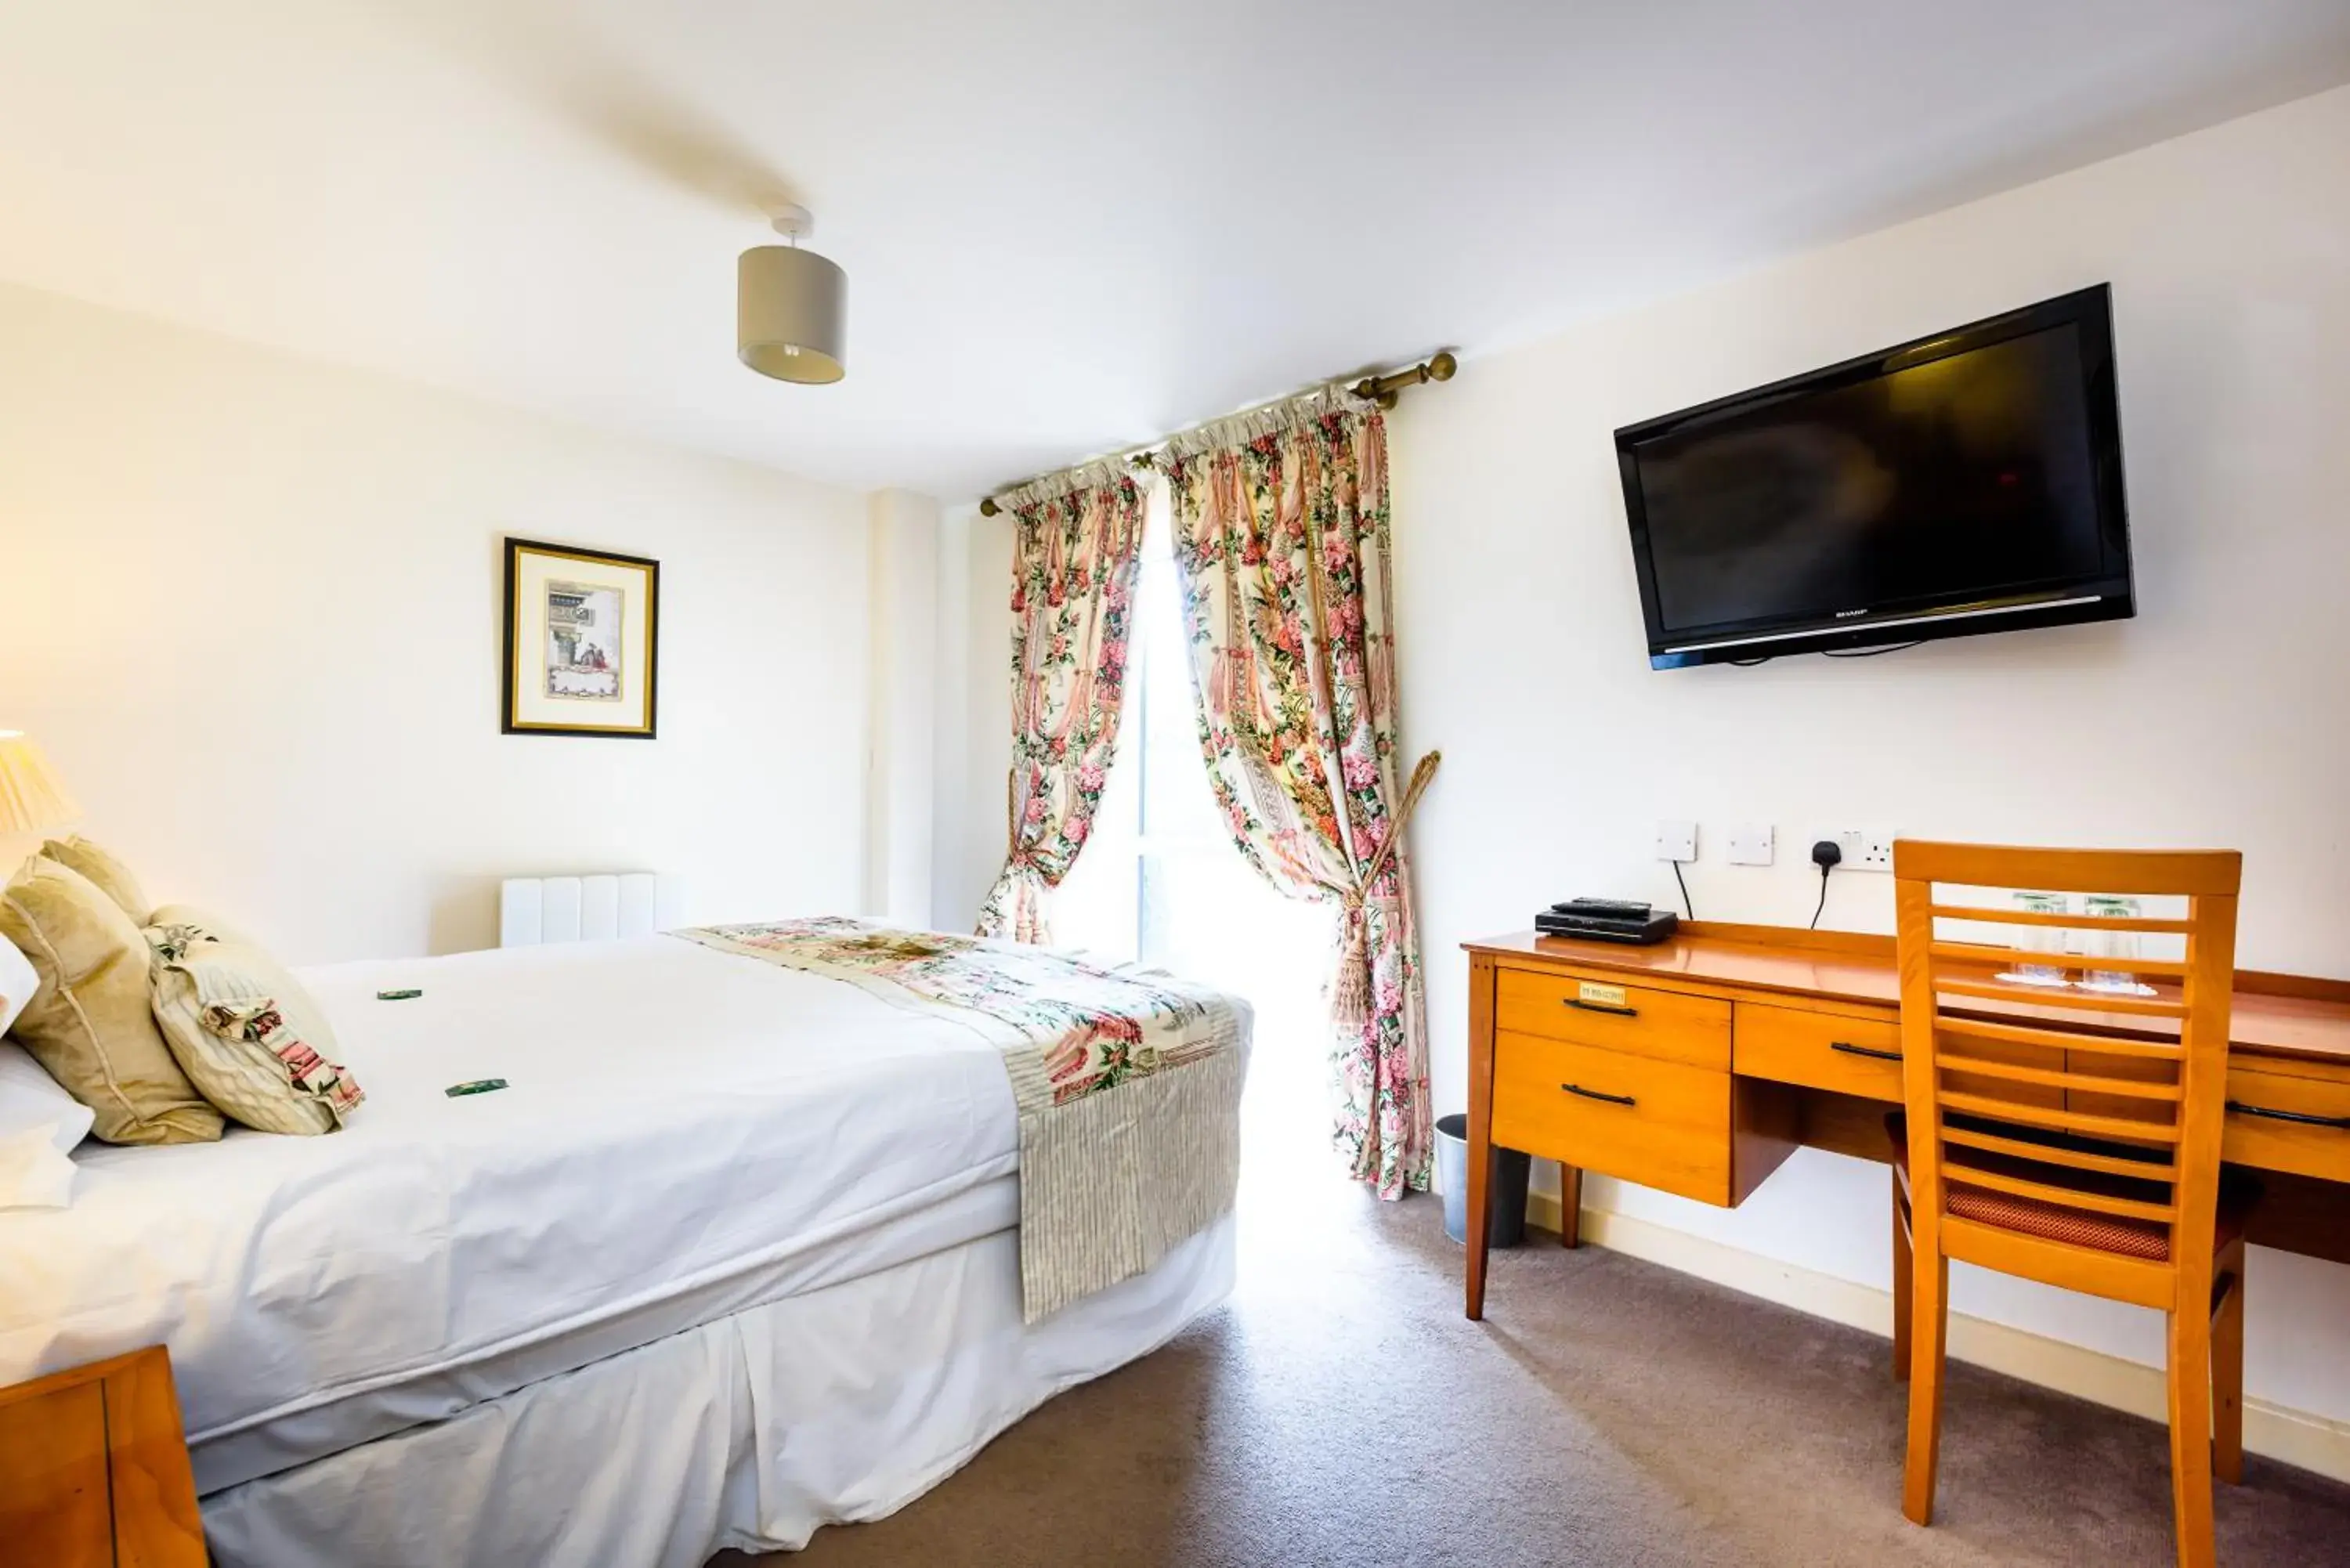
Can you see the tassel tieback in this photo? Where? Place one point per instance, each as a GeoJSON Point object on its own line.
{"type": "Point", "coordinates": [1350, 986]}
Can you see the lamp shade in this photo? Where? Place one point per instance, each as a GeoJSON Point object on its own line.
{"type": "Point", "coordinates": [791, 314]}
{"type": "Point", "coordinates": [33, 798]}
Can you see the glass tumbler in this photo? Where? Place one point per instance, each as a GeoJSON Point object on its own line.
{"type": "Point", "coordinates": [2039, 944]}
{"type": "Point", "coordinates": [2109, 944]}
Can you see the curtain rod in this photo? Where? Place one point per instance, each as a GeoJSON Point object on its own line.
{"type": "Point", "coordinates": [1381, 390]}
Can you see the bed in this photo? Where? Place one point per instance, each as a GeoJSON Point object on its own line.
{"type": "Point", "coordinates": [737, 1254]}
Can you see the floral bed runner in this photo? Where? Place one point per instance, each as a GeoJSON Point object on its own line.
{"type": "Point", "coordinates": [1128, 1081]}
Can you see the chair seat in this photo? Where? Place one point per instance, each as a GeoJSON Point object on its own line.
{"type": "Point", "coordinates": [2050, 1221]}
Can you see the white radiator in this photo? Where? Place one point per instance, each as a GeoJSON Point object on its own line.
{"type": "Point", "coordinates": [536, 909]}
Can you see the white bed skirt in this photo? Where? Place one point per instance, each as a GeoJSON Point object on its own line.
{"type": "Point", "coordinates": [841, 1405]}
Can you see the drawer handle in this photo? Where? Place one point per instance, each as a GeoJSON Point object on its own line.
{"type": "Point", "coordinates": [1849, 1049]}
{"type": "Point", "coordinates": [1601, 1007]}
{"type": "Point", "coordinates": [2304, 1117]}
{"type": "Point", "coordinates": [1596, 1094]}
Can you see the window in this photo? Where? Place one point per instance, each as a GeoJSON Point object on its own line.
{"type": "Point", "coordinates": [1160, 882]}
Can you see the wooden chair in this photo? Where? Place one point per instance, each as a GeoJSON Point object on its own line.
{"type": "Point", "coordinates": [2072, 1136]}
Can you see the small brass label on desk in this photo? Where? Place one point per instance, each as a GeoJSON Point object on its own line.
{"type": "Point", "coordinates": [1605, 995]}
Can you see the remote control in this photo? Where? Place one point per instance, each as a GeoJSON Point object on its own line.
{"type": "Point", "coordinates": [1606, 908]}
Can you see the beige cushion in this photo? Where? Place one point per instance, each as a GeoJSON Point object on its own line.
{"type": "Point", "coordinates": [247, 1033]}
{"type": "Point", "coordinates": [91, 1022]}
{"type": "Point", "coordinates": [109, 876]}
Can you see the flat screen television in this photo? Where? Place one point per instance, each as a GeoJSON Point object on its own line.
{"type": "Point", "coordinates": [1968, 482]}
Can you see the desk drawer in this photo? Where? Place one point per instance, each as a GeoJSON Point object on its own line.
{"type": "Point", "coordinates": [1660, 1124]}
{"type": "Point", "coordinates": [1665, 1024]}
{"type": "Point", "coordinates": [2275, 1142]}
{"type": "Point", "coordinates": [1851, 1056]}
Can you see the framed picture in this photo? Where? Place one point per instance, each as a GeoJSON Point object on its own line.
{"type": "Point", "coordinates": [583, 637]}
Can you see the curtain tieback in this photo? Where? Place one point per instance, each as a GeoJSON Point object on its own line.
{"type": "Point", "coordinates": [1350, 988]}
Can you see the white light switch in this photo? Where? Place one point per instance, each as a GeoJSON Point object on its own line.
{"type": "Point", "coordinates": [1676, 840]}
{"type": "Point", "coordinates": [1752, 843]}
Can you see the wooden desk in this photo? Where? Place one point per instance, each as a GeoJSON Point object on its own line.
{"type": "Point", "coordinates": [94, 1469]}
{"type": "Point", "coordinates": [1699, 1064]}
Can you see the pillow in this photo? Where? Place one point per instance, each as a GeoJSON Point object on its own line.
{"type": "Point", "coordinates": [39, 1126]}
{"type": "Point", "coordinates": [247, 1035]}
{"type": "Point", "coordinates": [203, 921]}
{"type": "Point", "coordinates": [109, 876]}
{"type": "Point", "coordinates": [19, 981]}
{"type": "Point", "coordinates": [91, 1022]}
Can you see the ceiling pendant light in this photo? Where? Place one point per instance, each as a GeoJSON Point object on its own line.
{"type": "Point", "coordinates": [791, 307]}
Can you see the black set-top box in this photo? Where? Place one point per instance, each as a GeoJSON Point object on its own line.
{"type": "Point", "coordinates": [1607, 920]}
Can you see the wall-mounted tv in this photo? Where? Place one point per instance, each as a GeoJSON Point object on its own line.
{"type": "Point", "coordinates": [1968, 482]}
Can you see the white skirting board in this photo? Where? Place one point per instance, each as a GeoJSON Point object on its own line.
{"type": "Point", "coordinates": [2294, 1437]}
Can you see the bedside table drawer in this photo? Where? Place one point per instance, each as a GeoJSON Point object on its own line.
{"type": "Point", "coordinates": [94, 1469]}
{"type": "Point", "coordinates": [1851, 1056]}
{"type": "Point", "coordinates": [1660, 1124]}
{"type": "Point", "coordinates": [54, 1502]}
{"type": "Point", "coordinates": [1664, 1024]}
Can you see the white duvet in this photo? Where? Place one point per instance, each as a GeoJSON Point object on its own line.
{"type": "Point", "coordinates": [675, 1117]}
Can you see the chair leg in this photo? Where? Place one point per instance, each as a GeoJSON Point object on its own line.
{"type": "Point", "coordinates": [1928, 1323]}
{"type": "Point", "coordinates": [2228, 1373]}
{"type": "Point", "coordinates": [1902, 1283]}
{"type": "Point", "coordinates": [2190, 1433]}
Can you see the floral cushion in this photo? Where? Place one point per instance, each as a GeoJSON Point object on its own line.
{"type": "Point", "coordinates": [205, 922]}
{"type": "Point", "coordinates": [246, 1032]}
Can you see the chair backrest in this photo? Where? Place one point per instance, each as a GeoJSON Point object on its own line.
{"type": "Point", "coordinates": [2106, 1103]}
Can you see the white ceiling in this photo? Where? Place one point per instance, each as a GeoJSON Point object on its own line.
{"type": "Point", "coordinates": [1067, 226]}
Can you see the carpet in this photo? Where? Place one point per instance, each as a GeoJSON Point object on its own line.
{"type": "Point", "coordinates": [1608, 1412]}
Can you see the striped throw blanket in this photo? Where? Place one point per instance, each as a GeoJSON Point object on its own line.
{"type": "Point", "coordinates": [1128, 1081]}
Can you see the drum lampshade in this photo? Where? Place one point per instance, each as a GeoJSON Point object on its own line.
{"type": "Point", "coordinates": [791, 315]}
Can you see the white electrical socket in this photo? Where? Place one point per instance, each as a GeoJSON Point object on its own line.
{"type": "Point", "coordinates": [1752, 843]}
{"type": "Point", "coordinates": [1865, 848]}
{"type": "Point", "coordinates": [1676, 840]}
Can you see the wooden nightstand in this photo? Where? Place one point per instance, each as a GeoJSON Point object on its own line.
{"type": "Point", "coordinates": [94, 1469]}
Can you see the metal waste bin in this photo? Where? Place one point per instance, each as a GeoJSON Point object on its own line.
{"type": "Point", "coordinates": [1506, 1223]}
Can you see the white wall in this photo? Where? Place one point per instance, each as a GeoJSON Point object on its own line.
{"type": "Point", "coordinates": [900, 768]}
{"type": "Point", "coordinates": [2216, 718]}
{"type": "Point", "coordinates": [974, 743]}
{"type": "Point", "coordinates": [251, 606]}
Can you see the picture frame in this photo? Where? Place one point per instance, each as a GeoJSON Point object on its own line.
{"type": "Point", "coordinates": [582, 643]}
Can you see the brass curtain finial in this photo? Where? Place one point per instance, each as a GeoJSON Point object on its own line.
{"type": "Point", "coordinates": [1379, 390]}
{"type": "Point", "coordinates": [1382, 390]}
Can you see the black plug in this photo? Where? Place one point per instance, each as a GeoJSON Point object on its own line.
{"type": "Point", "coordinates": [1827, 855]}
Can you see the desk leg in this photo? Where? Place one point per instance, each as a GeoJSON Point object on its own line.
{"type": "Point", "coordinates": [1481, 1127]}
{"type": "Point", "coordinates": [1570, 1206]}
{"type": "Point", "coordinates": [1480, 1203]}
{"type": "Point", "coordinates": [1904, 1270]}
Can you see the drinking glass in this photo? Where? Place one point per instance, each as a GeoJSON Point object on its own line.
{"type": "Point", "coordinates": [2109, 944]}
{"type": "Point", "coordinates": [2040, 942]}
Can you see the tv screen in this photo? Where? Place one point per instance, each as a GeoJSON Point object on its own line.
{"type": "Point", "coordinates": [1965, 483]}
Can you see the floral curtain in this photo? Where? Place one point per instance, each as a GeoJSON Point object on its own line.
{"type": "Point", "coordinates": [1281, 533]}
{"type": "Point", "coordinates": [1079, 538]}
